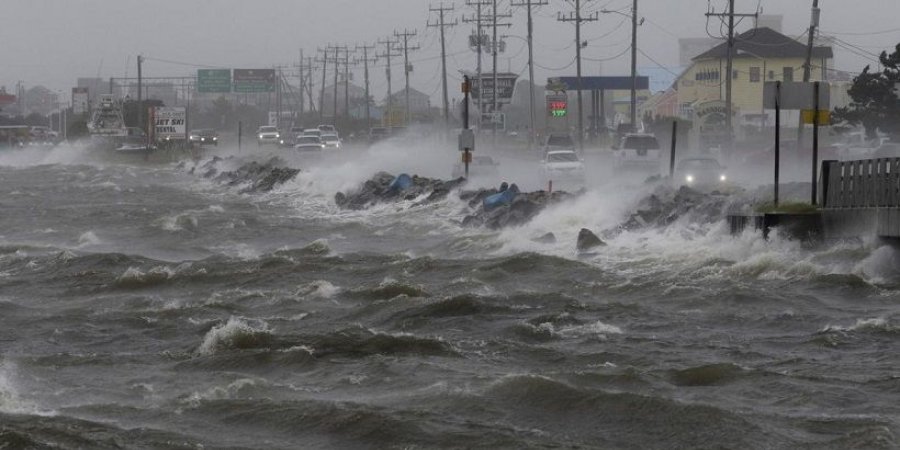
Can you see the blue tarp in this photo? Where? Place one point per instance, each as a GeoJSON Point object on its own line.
{"type": "Point", "coordinates": [501, 198]}
{"type": "Point", "coordinates": [401, 183]}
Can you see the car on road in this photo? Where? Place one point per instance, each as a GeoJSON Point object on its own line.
{"type": "Point", "coordinates": [267, 135]}
{"type": "Point", "coordinates": [558, 141]}
{"type": "Point", "coordinates": [638, 151]}
{"type": "Point", "coordinates": [204, 136]}
{"type": "Point", "coordinates": [312, 132]}
{"type": "Point", "coordinates": [480, 167]}
{"type": "Point", "coordinates": [563, 167]}
{"type": "Point", "coordinates": [377, 134]}
{"type": "Point", "coordinates": [309, 144]}
{"type": "Point", "coordinates": [700, 173]}
{"type": "Point", "coordinates": [330, 129]}
{"type": "Point", "coordinates": [331, 140]}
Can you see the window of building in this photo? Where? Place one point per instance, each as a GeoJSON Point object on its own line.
{"type": "Point", "coordinates": [788, 74]}
{"type": "Point", "coordinates": [771, 75]}
{"type": "Point", "coordinates": [734, 74]}
{"type": "Point", "coordinates": [754, 75]}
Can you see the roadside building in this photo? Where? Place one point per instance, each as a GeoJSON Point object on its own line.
{"type": "Point", "coordinates": [760, 55]}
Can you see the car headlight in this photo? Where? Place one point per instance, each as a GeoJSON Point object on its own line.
{"type": "Point", "coordinates": [281, 142]}
{"type": "Point", "coordinates": [277, 136]}
{"type": "Point", "coordinates": [723, 178]}
{"type": "Point", "coordinates": [689, 178]}
{"type": "Point", "coordinates": [215, 139]}
{"type": "Point", "coordinates": [260, 136]}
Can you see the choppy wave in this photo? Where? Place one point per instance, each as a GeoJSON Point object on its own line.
{"type": "Point", "coordinates": [236, 334]}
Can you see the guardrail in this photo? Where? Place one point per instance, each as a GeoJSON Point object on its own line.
{"type": "Point", "coordinates": [868, 183]}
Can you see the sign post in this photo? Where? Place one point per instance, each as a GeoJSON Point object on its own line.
{"type": "Point", "coordinates": [466, 136]}
{"type": "Point", "coordinates": [815, 97]}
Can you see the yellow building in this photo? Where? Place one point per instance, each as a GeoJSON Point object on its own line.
{"type": "Point", "coordinates": [760, 55]}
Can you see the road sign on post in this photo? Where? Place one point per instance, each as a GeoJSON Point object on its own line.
{"type": "Point", "coordinates": [254, 80]}
{"type": "Point", "coordinates": [214, 81]}
{"type": "Point", "coordinates": [796, 95]}
{"type": "Point", "coordinates": [809, 117]}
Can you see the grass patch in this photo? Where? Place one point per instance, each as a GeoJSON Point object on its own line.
{"type": "Point", "coordinates": [788, 207]}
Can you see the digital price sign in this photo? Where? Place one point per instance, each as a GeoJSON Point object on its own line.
{"type": "Point", "coordinates": [558, 105]}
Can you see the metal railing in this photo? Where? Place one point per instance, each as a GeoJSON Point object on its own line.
{"type": "Point", "coordinates": [868, 183]}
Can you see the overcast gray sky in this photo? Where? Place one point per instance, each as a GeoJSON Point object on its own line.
{"type": "Point", "coordinates": [52, 42]}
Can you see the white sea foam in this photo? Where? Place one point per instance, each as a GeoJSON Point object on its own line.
{"type": "Point", "coordinates": [88, 238]}
{"type": "Point", "coordinates": [877, 324]}
{"type": "Point", "coordinates": [319, 289]}
{"type": "Point", "coordinates": [236, 333]}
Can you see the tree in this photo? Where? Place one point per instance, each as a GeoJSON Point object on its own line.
{"type": "Point", "coordinates": [875, 104]}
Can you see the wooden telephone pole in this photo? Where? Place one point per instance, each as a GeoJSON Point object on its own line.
{"type": "Point", "coordinates": [443, 25]}
{"type": "Point", "coordinates": [577, 18]}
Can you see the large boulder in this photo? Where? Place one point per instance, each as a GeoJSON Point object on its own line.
{"type": "Point", "coordinates": [587, 240]}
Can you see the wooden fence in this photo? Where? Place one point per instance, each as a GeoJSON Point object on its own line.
{"type": "Point", "coordinates": [868, 183]}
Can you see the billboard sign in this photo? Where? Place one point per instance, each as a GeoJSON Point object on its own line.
{"type": "Point", "coordinates": [506, 84]}
{"type": "Point", "coordinates": [216, 81]}
{"type": "Point", "coordinates": [170, 122]}
{"type": "Point", "coordinates": [254, 80]}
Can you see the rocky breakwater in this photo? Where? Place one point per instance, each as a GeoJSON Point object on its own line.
{"type": "Point", "coordinates": [251, 177]}
{"type": "Point", "coordinates": [387, 188]}
{"type": "Point", "coordinates": [507, 207]}
{"type": "Point", "coordinates": [668, 204]}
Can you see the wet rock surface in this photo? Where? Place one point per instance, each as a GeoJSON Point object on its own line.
{"type": "Point", "coordinates": [253, 176]}
{"type": "Point", "coordinates": [520, 211]}
{"type": "Point", "coordinates": [382, 188]}
{"type": "Point", "coordinates": [668, 204]}
{"type": "Point", "coordinates": [587, 240]}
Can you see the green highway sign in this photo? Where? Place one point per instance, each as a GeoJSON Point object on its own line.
{"type": "Point", "coordinates": [214, 81]}
{"type": "Point", "coordinates": [254, 80]}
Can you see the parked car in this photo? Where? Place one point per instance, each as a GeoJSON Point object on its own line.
{"type": "Point", "coordinates": [328, 129]}
{"type": "Point", "coordinates": [205, 136]}
{"type": "Point", "coordinates": [480, 167]}
{"type": "Point", "coordinates": [563, 167]}
{"type": "Point", "coordinates": [700, 173]}
{"type": "Point", "coordinates": [309, 144]}
{"type": "Point", "coordinates": [331, 141]}
{"type": "Point", "coordinates": [640, 152]}
{"type": "Point", "coordinates": [267, 135]}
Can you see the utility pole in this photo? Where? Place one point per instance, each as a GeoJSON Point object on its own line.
{"type": "Point", "coordinates": [347, 83]}
{"type": "Point", "coordinates": [807, 65]}
{"type": "Point", "coordinates": [406, 34]}
{"type": "Point", "coordinates": [442, 24]}
{"type": "Point", "coordinates": [530, 5]}
{"type": "Point", "coordinates": [301, 74]}
{"type": "Point", "coordinates": [479, 44]}
{"type": "Point", "coordinates": [337, 71]}
{"type": "Point", "coordinates": [140, 103]}
{"type": "Point", "coordinates": [578, 19]}
{"type": "Point", "coordinates": [310, 83]}
{"type": "Point", "coordinates": [634, 25]}
{"type": "Point", "coordinates": [324, 62]}
{"type": "Point", "coordinates": [729, 68]}
{"type": "Point", "coordinates": [388, 54]}
{"type": "Point", "coordinates": [365, 60]}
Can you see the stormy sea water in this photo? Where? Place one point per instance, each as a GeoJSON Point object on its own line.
{"type": "Point", "coordinates": [146, 306]}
